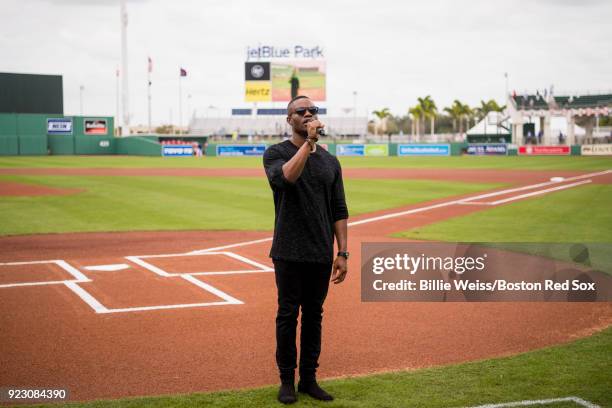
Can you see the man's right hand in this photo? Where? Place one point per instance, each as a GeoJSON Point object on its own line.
{"type": "Point", "coordinates": [312, 127]}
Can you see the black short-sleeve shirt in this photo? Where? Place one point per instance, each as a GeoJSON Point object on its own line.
{"type": "Point", "coordinates": [305, 211]}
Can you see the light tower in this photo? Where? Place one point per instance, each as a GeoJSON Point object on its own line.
{"type": "Point", "coordinates": [125, 128]}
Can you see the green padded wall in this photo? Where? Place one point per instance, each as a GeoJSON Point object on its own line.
{"type": "Point", "coordinates": [32, 131]}
{"type": "Point", "coordinates": [9, 141]}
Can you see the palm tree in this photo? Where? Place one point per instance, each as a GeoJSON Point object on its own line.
{"type": "Point", "coordinates": [455, 111]}
{"type": "Point", "coordinates": [467, 113]}
{"type": "Point", "coordinates": [382, 116]}
{"type": "Point", "coordinates": [429, 109]}
{"type": "Point", "coordinates": [417, 113]}
{"type": "Point", "coordinates": [490, 106]}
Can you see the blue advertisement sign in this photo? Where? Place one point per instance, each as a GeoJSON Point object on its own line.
{"type": "Point", "coordinates": [177, 150]}
{"type": "Point", "coordinates": [59, 126]}
{"type": "Point", "coordinates": [350, 150]}
{"type": "Point", "coordinates": [423, 150]}
{"type": "Point", "coordinates": [241, 150]}
{"type": "Point", "coordinates": [488, 149]}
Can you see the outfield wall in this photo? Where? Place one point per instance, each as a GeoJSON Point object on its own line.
{"type": "Point", "coordinates": [42, 134]}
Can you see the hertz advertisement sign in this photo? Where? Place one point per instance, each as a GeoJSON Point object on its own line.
{"type": "Point", "coordinates": [257, 82]}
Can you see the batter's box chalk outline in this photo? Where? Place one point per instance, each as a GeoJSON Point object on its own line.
{"type": "Point", "coordinates": [139, 260]}
{"type": "Point", "coordinates": [98, 307]}
{"type": "Point", "coordinates": [78, 276]}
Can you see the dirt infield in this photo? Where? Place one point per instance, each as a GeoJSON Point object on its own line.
{"type": "Point", "coordinates": [146, 339]}
{"type": "Point", "coordinates": [10, 188]}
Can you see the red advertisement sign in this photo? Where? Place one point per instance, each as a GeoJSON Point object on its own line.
{"type": "Point", "coordinates": [95, 127]}
{"type": "Point", "coordinates": [544, 150]}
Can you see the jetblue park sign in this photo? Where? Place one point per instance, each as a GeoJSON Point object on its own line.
{"type": "Point", "coordinates": [294, 52]}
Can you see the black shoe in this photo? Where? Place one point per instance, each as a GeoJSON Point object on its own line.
{"type": "Point", "coordinates": [286, 394]}
{"type": "Point", "coordinates": [313, 389]}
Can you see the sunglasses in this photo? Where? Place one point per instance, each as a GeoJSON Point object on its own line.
{"type": "Point", "coordinates": [302, 111]}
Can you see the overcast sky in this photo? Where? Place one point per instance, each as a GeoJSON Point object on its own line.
{"type": "Point", "coordinates": [389, 51]}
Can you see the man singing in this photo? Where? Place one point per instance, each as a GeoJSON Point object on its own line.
{"type": "Point", "coordinates": [310, 209]}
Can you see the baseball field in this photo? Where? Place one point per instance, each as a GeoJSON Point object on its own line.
{"type": "Point", "coordinates": [137, 282]}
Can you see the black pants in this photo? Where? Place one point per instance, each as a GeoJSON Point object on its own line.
{"type": "Point", "coordinates": [305, 285]}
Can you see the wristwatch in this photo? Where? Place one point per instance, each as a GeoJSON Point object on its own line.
{"type": "Point", "coordinates": [343, 254]}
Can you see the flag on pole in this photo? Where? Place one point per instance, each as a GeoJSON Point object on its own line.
{"type": "Point", "coordinates": [150, 66]}
{"type": "Point", "coordinates": [183, 72]}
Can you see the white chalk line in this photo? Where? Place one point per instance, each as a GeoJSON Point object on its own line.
{"type": "Point", "coordinates": [78, 276]}
{"type": "Point", "coordinates": [99, 308]}
{"type": "Point", "coordinates": [538, 185]}
{"type": "Point", "coordinates": [107, 268]}
{"type": "Point", "coordinates": [540, 192]}
{"type": "Point", "coordinates": [521, 196]}
{"type": "Point", "coordinates": [159, 271]}
{"type": "Point", "coordinates": [525, 403]}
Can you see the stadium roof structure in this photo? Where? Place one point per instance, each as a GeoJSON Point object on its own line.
{"type": "Point", "coordinates": [581, 105]}
{"type": "Point", "coordinates": [577, 109]}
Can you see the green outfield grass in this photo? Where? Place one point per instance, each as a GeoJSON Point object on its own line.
{"type": "Point", "coordinates": [582, 163]}
{"type": "Point", "coordinates": [581, 214]}
{"type": "Point", "coordinates": [187, 203]}
{"type": "Point", "coordinates": [580, 369]}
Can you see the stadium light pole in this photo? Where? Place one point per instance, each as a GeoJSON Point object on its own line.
{"type": "Point", "coordinates": [506, 88]}
{"type": "Point", "coordinates": [149, 70]}
{"type": "Point", "coordinates": [81, 89]}
{"type": "Point", "coordinates": [180, 112]}
{"type": "Point", "coordinates": [117, 118]}
{"type": "Point", "coordinates": [125, 129]}
{"type": "Point", "coordinates": [355, 111]}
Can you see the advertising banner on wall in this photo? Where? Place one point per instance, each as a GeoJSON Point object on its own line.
{"type": "Point", "coordinates": [241, 150]}
{"type": "Point", "coordinates": [59, 126]}
{"type": "Point", "coordinates": [423, 150]}
{"type": "Point", "coordinates": [376, 150]}
{"type": "Point", "coordinates": [596, 150]}
{"type": "Point", "coordinates": [350, 150]}
{"type": "Point", "coordinates": [544, 150]}
{"type": "Point", "coordinates": [177, 150]}
{"type": "Point", "coordinates": [488, 149]}
{"type": "Point", "coordinates": [95, 127]}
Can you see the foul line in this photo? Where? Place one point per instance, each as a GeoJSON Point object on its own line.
{"type": "Point", "coordinates": [525, 403]}
{"type": "Point", "coordinates": [518, 197]}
